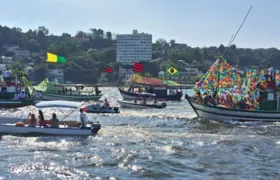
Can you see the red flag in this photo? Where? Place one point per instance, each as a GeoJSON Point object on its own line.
{"type": "Point", "coordinates": [107, 69]}
{"type": "Point", "coordinates": [138, 67]}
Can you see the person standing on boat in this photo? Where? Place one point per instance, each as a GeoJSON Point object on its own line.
{"type": "Point", "coordinates": [271, 72]}
{"type": "Point", "coordinates": [83, 118]}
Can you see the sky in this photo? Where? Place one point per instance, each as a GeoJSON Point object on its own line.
{"type": "Point", "coordinates": [197, 23]}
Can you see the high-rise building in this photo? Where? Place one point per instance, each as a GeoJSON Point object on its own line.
{"type": "Point", "coordinates": [134, 47]}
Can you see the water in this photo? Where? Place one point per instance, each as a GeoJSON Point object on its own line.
{"type": "Point", "coordinates": [147, 144]}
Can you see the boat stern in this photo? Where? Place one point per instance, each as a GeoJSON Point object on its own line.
{"type": "Point", "coordinates": [95, 127]}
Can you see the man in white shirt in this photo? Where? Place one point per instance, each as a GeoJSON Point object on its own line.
{"type": "Point", "coordinates": [271, 72]}
{"type": "Point", "coordinates": [83, 118]}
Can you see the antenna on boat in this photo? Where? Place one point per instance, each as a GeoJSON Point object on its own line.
{"type": "Point", "coordinates": [233, 37]}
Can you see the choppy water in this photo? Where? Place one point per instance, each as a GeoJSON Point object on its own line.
{"type": "Point", "coordinates": [147, 144]}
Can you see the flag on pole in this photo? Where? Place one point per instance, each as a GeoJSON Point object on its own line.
{"type": "Point", "coordinates": [171, 70]}
{"type": "Point", "coordinates": [107, 69]}
{"type": "Point", "coordinates": [137, 67]}
{"type": "Point", "coordinates": [55, 59]}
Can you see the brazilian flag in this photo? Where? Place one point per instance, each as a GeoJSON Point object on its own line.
{"type": "Point", "coordinates": [171, 71]}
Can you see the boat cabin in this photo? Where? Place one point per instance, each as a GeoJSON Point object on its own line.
{"type": "Point", "coordinates": [7, 91]}
{"type": "Point", "coordinates": [155, 89]}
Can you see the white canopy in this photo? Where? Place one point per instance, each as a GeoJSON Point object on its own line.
{"type": "Point", "coordinates": [59, 104]}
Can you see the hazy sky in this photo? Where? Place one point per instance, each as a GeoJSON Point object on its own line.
{"type": "Point", "coordinates": [194, 22]}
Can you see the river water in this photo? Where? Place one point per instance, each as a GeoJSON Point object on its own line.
{"type": "Point", "coordinates": [169, 143]}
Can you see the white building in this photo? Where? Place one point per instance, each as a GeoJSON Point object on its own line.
{"type": "Point", "coordinates": [134, 47]}
{"type": "Point", "coordinates": [7, 60]}
{"type": "Point", "coordinates": [17, 51]}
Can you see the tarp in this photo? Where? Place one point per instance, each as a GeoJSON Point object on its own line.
{"type": "Point", "coordinates": [136, 78]}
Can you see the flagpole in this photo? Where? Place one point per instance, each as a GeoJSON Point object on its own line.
{"type": "Point", "coordinates": [46, 69]}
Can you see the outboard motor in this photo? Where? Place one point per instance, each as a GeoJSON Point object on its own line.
{"type": "Point", "coordinates": [163, 104]}
{"type": "Point", "coordinates": [95, 127]}
{"type": "Point", "coordinates": [116, 109]}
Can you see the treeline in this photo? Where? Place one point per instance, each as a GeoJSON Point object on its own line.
{"type": "Point", "coordinates": [88, 52]}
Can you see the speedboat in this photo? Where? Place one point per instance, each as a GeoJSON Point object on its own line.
{"type": "Point", "coordinates": [22, 129]}
{"type": "Point", "coordinates": [126, 104]}
{"type": "Point", "coordinates": [97, 108]}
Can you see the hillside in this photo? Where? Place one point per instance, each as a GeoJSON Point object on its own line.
{"type": "Point", "coordinates": [88, 52]}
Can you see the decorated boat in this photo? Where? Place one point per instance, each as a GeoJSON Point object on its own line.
{"type": "Point", "coordinates": [55, 91]}
{"type": "Point", "coordinates": [24, 130]}
{"type": "Point", "coordinates": [140, 87]}
{"type": "Point", "coordinates": [126, 104]}
{"type": "Point", "coordinates": [222, 95]}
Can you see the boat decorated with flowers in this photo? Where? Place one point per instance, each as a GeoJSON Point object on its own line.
{"type": "Point", "coordinates": [141, 87]}
{"type": "Point", "coordinates": [223, 95]}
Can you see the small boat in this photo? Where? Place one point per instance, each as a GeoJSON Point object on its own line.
{"type": "Point", "coordinates": [141, 87]}
{"type": "Point", "coordinates": [8, 91]}
{"type": "Point", "coordinates": [55, 91]}
{"type": "Point", "coordinates": [96, 108]}
{"type": "Point", "coordinates": [125, 104]}
{"type": "Point", "coordinates": [23, 130]}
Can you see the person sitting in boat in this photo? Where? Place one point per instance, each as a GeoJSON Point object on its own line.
{"type": "Point", "coordinates": [54, 121]}
{"type": "Point", "coordinates": [16, 96]}
{"type": "Point", "coordinates": [106, 104]}
{"type": "Point", "coordinates": [144, 101]}
{"type": "Point", "coordinates": [199, 98]}
{"type": "Point", "coordinates": [155, 102]}
{"type": "Point", "coordinates": [41, 118]}
{"type": "Point", "coordinates": [83, 118]}
{"type": "Point", "coordinates": [31, 120]}
{"type": "Point", "coordinates": [22, 95]}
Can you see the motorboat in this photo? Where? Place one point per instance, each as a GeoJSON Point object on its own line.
{"type": "Point", "coordinates": [97, 108]}
{"type": "Point", "coordinates": [22, 129]}
{"type": "Point", "coordinates": [127, 104]}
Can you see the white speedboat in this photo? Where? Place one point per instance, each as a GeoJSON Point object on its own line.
{"type": "Point", "coordinates": [22, 129]}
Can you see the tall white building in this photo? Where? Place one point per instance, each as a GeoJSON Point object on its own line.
{"type": "Point", "coordinates": [134, 47]}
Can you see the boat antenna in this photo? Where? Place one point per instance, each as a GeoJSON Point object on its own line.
{"type": "Point", "coordinates": [232, 38]}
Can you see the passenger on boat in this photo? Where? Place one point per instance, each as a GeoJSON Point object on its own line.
{"type": "Point", "coordinates": [270, 73]}
{"type": "Point", "coordinates": [83, 118]}
{"type": "Point", "coordinates": [41, 118]}
{"type": "Point", "coordinates": [16, 96]}
{"type": "Point", "coordinates": [97, 92]}
{"type": "Point", "coordinates": [106, 104]}
{"type": "Point", "coordinates": [199, 98]}
{"type": "Point", "coordinates": [144, 101]}
{"type": "Point", "coordinates": [31, 121]}
{"type": "Point", "coordinates": [135, 101]}
{"type": "Point", "coordinates": [155, 102]}
{"type": "Point", "coordinates": [55, 121]}
{"type": "Point", "coordinates": [22, 95]}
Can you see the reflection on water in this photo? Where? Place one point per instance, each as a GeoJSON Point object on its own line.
{"type": "Point", "coordinates": [168, 143]}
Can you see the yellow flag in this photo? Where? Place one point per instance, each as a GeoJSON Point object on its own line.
{"type": "Point", "coordinates": [51, 57]}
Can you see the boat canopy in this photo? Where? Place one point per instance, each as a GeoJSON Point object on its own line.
{"type": "Point", "coordinates": [59, 104]}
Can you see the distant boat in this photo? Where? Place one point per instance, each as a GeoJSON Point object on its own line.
{"type": "Point", "coordinates": [54, 91]}
{"type": "Point", "coordinates": [125, 104]}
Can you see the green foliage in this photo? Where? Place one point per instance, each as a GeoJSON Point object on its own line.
{"type": "Point", "coordinates": [88, 52]}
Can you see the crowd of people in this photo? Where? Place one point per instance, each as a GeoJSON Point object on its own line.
{"type": "Point", "coordinates": [32, 121]}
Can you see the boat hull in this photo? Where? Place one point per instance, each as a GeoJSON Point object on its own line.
{"type": "Point", "coordinates": [91, 109]}
{"type": "Point", "coordinates": [141, 106]}
{"type": "Point", "coordinates": [225, 114]}
{"type": "Point", "coordinates": [49, 96]}
{"type": "Point", "coordinates": [10, 103]}
{"type": "Point", "coordinates": [131, 96]}
{"type": "Point", "coordinates": [46, 131]}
